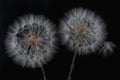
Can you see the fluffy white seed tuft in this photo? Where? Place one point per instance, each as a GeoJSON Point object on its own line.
{"type": "Point", "coordinates": [107, 47]}
{"type": "Point", "coordinates": [82, 30]}
{"type": "Point", "coordinates": [31, 41]}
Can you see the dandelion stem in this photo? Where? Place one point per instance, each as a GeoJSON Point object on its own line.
{"type": "Point", "coordinates": [43, 71]}
{"type": "Point", "coordinates": [72, 65]}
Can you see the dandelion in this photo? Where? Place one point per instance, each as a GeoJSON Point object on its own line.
{"type": "Point", "coordinates": [83, 32]}
{"type": "Point", "coordinates": [31, 41]}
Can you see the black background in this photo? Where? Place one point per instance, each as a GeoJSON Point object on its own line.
{"type": "Point", "coordinates": [86, 67]}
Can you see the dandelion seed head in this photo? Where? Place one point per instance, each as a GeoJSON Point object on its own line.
{"type": "Point", "coordinates": [31, 41]}
{"type": "Point", "coordinates": [83, 30]}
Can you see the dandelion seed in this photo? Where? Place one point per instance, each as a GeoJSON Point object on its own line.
{"type": "Point", "coordinates": [107, 47]}
{"type": "Point", "coordinates": [30, 41]}
{"type": "Point", "coordinates": [83, 32]}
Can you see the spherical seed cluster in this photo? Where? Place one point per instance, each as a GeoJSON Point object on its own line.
{"type": "Point", "coordinates": [30, 41]}
{"type": "Point", "coordinates": [83, 31]}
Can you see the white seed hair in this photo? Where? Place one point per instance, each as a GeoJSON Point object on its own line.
{"type": "Point", "coordinates": [19, 51]}
{"type": "Point", "coordinates": [94, 36]}
{"type": "Point", "coordinates": [107, 47]}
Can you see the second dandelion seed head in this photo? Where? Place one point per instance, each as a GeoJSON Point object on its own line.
{"type": "Point", "coordinates": [82, 30]}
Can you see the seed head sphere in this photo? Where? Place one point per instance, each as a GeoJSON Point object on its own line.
{"type": "Point", "coordinates": [84, 31]}
{"type": "Point", "coordinates": [31, 41]}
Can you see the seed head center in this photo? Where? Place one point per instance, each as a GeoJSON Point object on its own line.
{"type": "Point", "coordinates": [80, 32]}
{"type": "Point", "coordinates": [32, 40]}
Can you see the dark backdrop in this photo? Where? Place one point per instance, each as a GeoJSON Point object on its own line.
{"type": "Point", "coordinates": [90, 66]}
